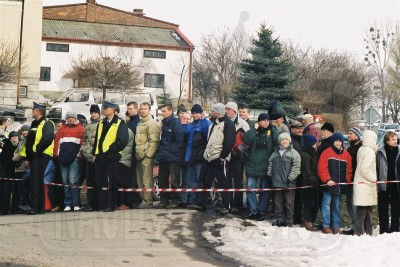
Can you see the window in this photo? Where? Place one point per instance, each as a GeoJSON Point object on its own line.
{"type": "Point", "coordinates": [154, 80]}
{"type": "Point", "coordinates": [154, 54]}
{"type": "Point", "coordinates": [57, 47]}
{"type": "Point", "coordinates": [23, 91]}
{"type": "Point", "coordinates": [45, 74]}
{"type": "Point", "coordinates": [78, 96]}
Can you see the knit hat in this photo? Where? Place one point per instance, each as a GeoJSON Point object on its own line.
{"type": "Point", "coordinates": [337, 137]}
{"type": "Point", "coordinates": [307, 116]}
{"type": "Point", "coordinates": [263, 116]}
{"type": "Point", "coordinates": [296, 124]}
{"type": "Point", "coordinates": [71, 114]}
{"type": "Point", "coordinates": [232, 105]}
{"type": "Point", "coordinates": [12, 133]}
{"type": "Point", "coordinates": [356, 131]}
{"type": "Point", "coordinates": [196, 109]}
{"type": "Point", "coordinates": [25, 127]}
{"type": "Point", "coordinates": [275, 110]}
{"type": "Point", "coordinates": [284, 136]}
{"type": "Point", "coordinates": [94, 108]}
{"type": "Point", "coordinates": [219, 108]}
{"type": "Point", "coordinates": [308, 140]}
{"type": "Point", "coordinates": [328, 126]}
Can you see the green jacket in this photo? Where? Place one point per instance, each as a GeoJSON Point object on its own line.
{"type": "Point", "coordinates": [262, 143]}
{"type": "Point", "coordinates": [89, 138]}
{"type": "Point", "coordinates": [126, 154]}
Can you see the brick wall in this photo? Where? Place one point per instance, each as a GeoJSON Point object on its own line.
{"type": "Point", "coordinates": [97, 13]}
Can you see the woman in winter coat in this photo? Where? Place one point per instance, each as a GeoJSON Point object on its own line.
{"type": "Point", "coordinates": [365, 195]}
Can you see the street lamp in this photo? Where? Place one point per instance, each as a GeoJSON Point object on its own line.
{"type": "Point", "coordinates": [20, 54]}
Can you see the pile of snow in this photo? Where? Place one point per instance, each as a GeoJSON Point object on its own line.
{"type": "Point", "coordinates": [261, 244]}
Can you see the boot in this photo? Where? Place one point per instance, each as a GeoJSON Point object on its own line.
{"type": "Point", "coordinates": [327, 230]}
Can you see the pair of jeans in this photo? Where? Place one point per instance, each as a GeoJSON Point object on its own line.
{"type": "Point", "coordinates": [192, 179]}
{"type": "Point", "coordinates": [262, 206]}
{"type": "Point", "coordinates": [71, 175]}
{"type": "Point", "coordinates": [329, 210]}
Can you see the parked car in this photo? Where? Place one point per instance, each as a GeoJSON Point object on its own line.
{"type": "Point", "coordinates": [80, 100]}
{"type": "Point", "coordinates": [15, 114]}
{"type": "Point", "coordinates": [388, 126]}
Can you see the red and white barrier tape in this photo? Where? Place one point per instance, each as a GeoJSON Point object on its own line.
{"type": "Point", "coordinates": [204, 190]}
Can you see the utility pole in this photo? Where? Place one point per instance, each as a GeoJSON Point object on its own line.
{"type": "Point", "coordinates": [20, 54]}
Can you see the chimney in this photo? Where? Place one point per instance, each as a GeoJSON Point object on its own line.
{"type": "Point", "coordinates": [138, 11]}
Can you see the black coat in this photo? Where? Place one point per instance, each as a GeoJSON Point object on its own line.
{"type": "Point", "coordinates": [6, 158]}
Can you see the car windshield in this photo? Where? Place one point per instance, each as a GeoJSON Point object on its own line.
{"type": "Point", "coordinates": [113, 97]}
{"type": "Point", "coordinates": [63, 96]}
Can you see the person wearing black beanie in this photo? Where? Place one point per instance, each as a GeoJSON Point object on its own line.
{"type": "Point", "coordinates": [328, 127]}
{"type": "Point", "coordinates": [327, 131]}
{"type": "Point", "coordinates": [94, 108]}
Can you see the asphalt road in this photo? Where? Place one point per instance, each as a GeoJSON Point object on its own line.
{"type": "Point", "coordinates": [122, 238]}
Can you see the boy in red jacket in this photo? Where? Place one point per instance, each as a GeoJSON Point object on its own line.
{"type": "Point", "coordinates": [67, 146]}
{"type": "Point", "coordinates": [334, 166]}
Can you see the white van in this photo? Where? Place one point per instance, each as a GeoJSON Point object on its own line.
{"type": "Point", "coordinates": [80, 100]}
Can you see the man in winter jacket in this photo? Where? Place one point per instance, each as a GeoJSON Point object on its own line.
{"type": "Point", "coordinates": [196, 141]}
{"type": "Point", "coordinates": [169, 156]}
{"type": "Point", "coordinates": [284, 167]}
{"type": "Point", "coordinates": [237, 155]}
{"type": "Point", "coordinates": [39, 151]}
{"type": "Point", "coordinates": [261, 139]}
{"type": "Point", "coordinates": [354, 135]}
{"type": "Point", "coordinates": [296, 131]}
{"type": "Point", "coordinates": [309, 175]}
{"type": "Point", "coordinates": [147, 139]}
{"type": "Point", "coordinates": [221, 139]}
{"type": "Point", "coordinates": [334, 166]}
{"type": "Point", "coordinates": [67, 146]}
{"type": "Point", "coordinates": [387, 163]}
{"type": "Point", "coordinates": [133, 112]}
{"type": "Point", "coordinates": [88, 143]}
{"type": "Point", "coordinates": [111, 138]}
{"type": "Point", "coordinates": [310, 127]}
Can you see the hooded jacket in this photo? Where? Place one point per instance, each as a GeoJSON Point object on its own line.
{"type": "Point", "coordinates": [335, 165]}
{"type": "Point", "coordinates": [365, 194]}
{"type": "Point", "coordinates": [196, 140]}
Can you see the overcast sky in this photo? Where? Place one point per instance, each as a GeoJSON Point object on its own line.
{"type": "Point", "coordinates": [328, 24]}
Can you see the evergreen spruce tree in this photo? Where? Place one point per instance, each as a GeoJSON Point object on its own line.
{"type": "Point", "coordinates": [164, 98]}
{"type": "Point", "coordinates": [264, 76]}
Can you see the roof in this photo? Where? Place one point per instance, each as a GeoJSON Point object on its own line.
{"type": "Point", "coordinates": [115, 33]}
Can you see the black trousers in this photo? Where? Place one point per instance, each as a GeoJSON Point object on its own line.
{"type": "Point", "coordinates": [125, 181]}
{"type": "Point", "coordinates": [38, 167]}
{"type": "Point", "coordinates": [363, 220]}
{"type": "Point", "coordinates": [91, 182]}
{"type": "Point", "coordinates": [284, 205]}
{"type": "Point", "coordinates": [310, 203]}
{"type": "Point", "coordinates": [165, 171]}
{"type": "Point", "coordinates": [214, 169]}
{"type": "Point", "coordinates": [5, 196]}
{"type": "Point", "coordinates": [236, 168]}
{"type": "Point", "coordinates": [106, 175]}
{"type": "Point", "coordinates": [298, 202]}
{"type": "Point", "coordinates": [384, 200]}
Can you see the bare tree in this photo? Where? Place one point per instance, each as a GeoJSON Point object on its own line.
{"type": "Point", "coordinates": [393, 91]}
{"type": "Point", "coordinates": [9, 58]}
{"type": "Point", "coordinates": [205, 84]}
{"type": "Point", "coordinates": [329, 81]}
{"type": "Point", "coordinates": [221, 53]}
{"type": "Point", "coordinates": [105, 71]}
{"type": "Point", "coordinates": [378, 41]}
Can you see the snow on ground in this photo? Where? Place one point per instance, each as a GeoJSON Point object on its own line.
{"type": "Point", "coordinates": [261, 244]}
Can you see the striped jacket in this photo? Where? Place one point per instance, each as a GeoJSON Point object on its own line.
{"type": "Point", "coordinates": [68, 142]}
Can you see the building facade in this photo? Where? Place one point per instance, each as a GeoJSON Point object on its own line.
{"type": "Point", "coordinates": [11, 16]}
{"type": "Point", "coordinates": [160, 51]}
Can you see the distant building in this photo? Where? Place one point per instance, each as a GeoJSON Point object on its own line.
{"type": "Point", "coordinates": [70, 31]}
{"type": "Point", "coordinates": [10, 29]}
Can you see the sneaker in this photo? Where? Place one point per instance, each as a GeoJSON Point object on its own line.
{"type": "Point", "coordinates": [67, 208]}
{"type": "Point", "coordinates": [77, 208]}
{"type": "Point", "coordinates": [224, 211]}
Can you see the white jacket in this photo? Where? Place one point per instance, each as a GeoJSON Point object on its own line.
{"type": "Point", "coordinates": [366, 194]}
